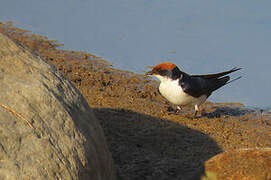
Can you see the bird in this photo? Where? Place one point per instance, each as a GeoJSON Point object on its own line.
{"type": "Point", "coordinates": [183, 89]}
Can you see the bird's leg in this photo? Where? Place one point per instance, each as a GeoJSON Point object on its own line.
{"type": "Point", "coordinates": [179, 108]}
{"type": "Point", "coordinates": [196, 110]}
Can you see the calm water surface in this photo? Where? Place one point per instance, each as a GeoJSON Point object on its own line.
{"type": "Point", "coordinates": [200, 36]}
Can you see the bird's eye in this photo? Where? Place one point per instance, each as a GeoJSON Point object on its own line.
{"type": "Point", "coordinates": [159, 70]}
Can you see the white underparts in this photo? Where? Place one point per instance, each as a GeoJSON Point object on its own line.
{"type": "Point", "coordinates": [173, 92]}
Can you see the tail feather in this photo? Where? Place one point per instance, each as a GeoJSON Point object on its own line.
{"type": "Point", "coordinates": [234, 79]}
{"type": "Point", "coordinates": [218, 75]}
{"type": "Point", "coordinates": [220, 82]}
{"type": "Point", "coordinates": [223, 81]}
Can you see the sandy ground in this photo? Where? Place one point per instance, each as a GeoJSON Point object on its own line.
{"type": "Point", "coordinates": [148, 140]}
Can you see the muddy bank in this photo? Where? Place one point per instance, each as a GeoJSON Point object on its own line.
{"type": "Point", "coordinates": [146, 138]}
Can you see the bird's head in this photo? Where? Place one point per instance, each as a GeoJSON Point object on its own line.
{"type": "Point", "coordinates": [165, 70]}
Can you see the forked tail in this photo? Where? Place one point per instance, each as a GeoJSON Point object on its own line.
{"type": "Point", "coordinates": [234, 80]}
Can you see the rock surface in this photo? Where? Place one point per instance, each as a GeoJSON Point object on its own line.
{"type": "Point", "coordinates": [47, 130]}
{"type": "Point", "coordinates": [241, 164]}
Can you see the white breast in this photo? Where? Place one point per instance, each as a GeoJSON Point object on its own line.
{"type": "Point", "coordinates": [173, 92]}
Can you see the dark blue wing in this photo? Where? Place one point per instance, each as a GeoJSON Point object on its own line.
{"type": "Point", "coordinates": [197, 86]}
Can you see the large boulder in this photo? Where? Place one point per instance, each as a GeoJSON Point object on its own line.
{"type": "Point", "coordinates": [47, 130]}
{"type": "Point", "coordinates": [240, 164]}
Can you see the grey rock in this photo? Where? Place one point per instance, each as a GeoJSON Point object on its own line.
{"type": "Point", "coordinates": [47, 129]}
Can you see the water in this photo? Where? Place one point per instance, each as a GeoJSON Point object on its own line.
{"type": "Point", "coordinates": [200, 36]}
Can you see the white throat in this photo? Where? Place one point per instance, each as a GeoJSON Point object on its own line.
{"type": "Point", "coordinates": [162, 78]}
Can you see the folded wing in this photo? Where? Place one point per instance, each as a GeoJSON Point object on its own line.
{"type": "Point", "coordinates": [197, 85]}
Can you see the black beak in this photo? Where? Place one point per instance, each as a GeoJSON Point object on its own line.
{"type": "Point", "coordinates": [149, 73]}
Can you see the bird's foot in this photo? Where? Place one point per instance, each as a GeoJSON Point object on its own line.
{"type": "Point", "coordinates": [171, 110]}
{"type": "Point", "coordinates": [197, 111]}
{"type": "Point", "coordinates": [198, 114]}
{"type": "Point", "coordinates": [178, 110]}
{"type": "Point", "coordinates": [195, 114]}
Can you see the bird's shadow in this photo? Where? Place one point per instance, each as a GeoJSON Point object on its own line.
{"type": "Point", "coordinates": [147, 147]}
{"type": "Point", "coordinates": [225, 111]}
{"type": "Point", "coordinates": [208, 112]}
